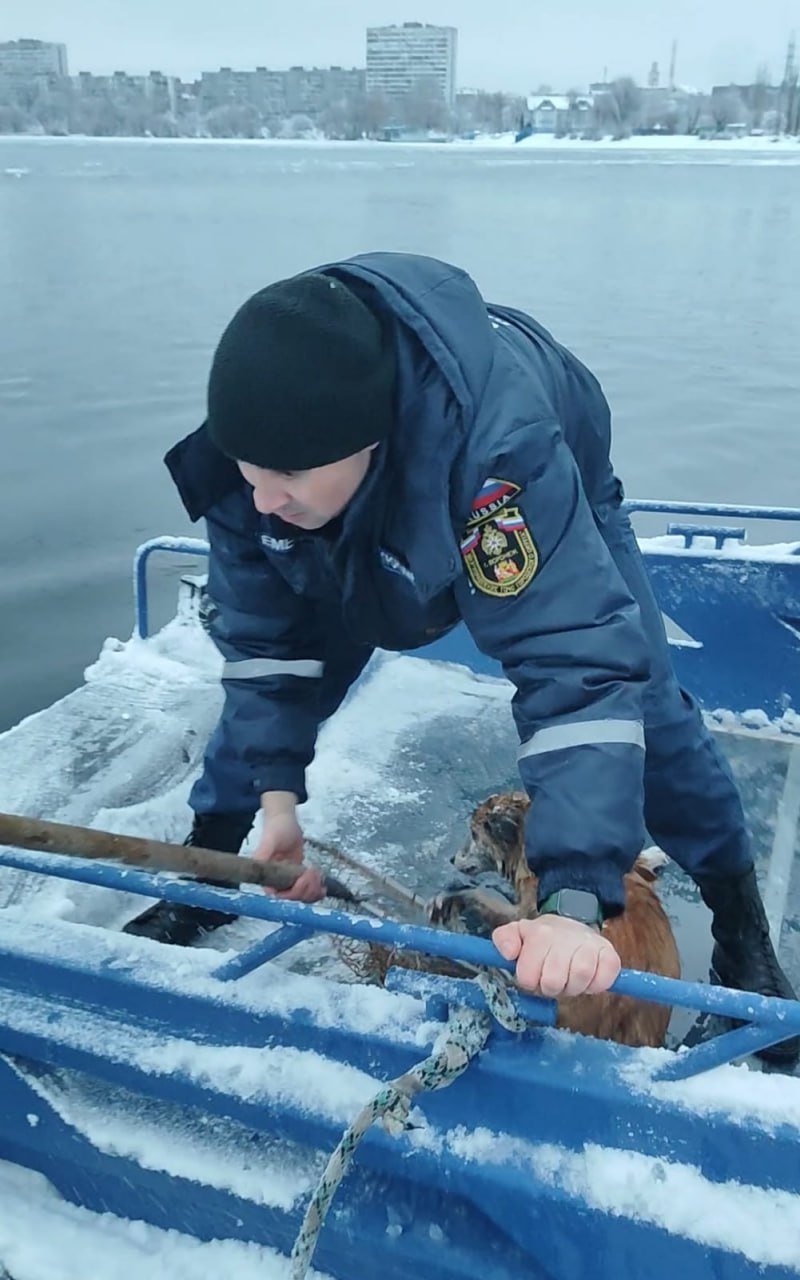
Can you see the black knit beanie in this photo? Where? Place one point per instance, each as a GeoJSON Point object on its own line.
{"type": "Point", "coordinates": [303, 375]}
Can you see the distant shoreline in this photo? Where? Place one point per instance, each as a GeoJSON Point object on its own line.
{"type": "Point", "coordinates": [539, 143]}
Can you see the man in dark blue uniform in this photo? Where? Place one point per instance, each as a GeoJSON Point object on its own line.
{"type": "Point", "coordinates": [386, 455]}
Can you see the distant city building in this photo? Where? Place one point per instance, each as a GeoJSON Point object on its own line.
{"type": "Point", "coordinates": [559, 112]}
{"type": "Point", "coordinates": [227, 87]}
{"type": "Point", "coordinates": [399, 58]}
{"type": "Point", "coordinates": [298, 91]}
{"type": "Point", "coordinates": [756, 98]}
{"type": "Point", "coordinates": [30, 59]}
{"type": "Point", "coordinates": [308, 91]}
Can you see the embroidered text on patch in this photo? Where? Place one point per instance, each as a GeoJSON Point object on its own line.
{"type": "Point", "coordinates": [499, 552]}
{"type": "Point", "coordinates": [492, 495]}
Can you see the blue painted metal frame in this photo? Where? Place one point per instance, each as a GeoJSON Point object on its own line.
{"type": "Point", "coordinates": [75, 1020]}
{"type": "Point", "coordinates": [743, 612]}
{"type": "Point", "coordinates": [141, 561]}
{"type": "Point", "coordinates": [770, 1020]}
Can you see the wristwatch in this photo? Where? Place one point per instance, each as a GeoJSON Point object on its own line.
{"type": "Point", "coordinates": [575, 904]}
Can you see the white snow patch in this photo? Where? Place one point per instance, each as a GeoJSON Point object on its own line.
{"type": "Point", "coordinates": [189, 971]}
{"type": "Point", "coordinates": [200, 1148]}
{"type": "Point", "coordinates": [761, 1224]}
{"type": "Point", "coordinates": [754, 1097]}
{"type": "Point", "coordinates": [704, 547]}
{"type": "Point", "coordinates": [42, 1237]}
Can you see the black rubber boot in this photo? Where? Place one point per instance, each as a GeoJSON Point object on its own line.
{"type": "Point", "coordinates": [173, 922]}
{"type": "Point", "coordinates": [744, 957]}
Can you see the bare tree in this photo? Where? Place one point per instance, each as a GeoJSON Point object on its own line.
{"type": "Point", "coordinates": [495, 112]}
{"type": "Point", "coordinates": [618, 108]}
{"type": "Point", "coordinates": [424, 107]}
{"type": "Point", "coordinates": [727, 109]}
{"type": "Point", "coordinates": [336, 120]}
{"type": "Point", "coordinates": [572, 109]}
{"type": "Point", "coordinates": [52, 108]}
{"type": "Point", "coordinates": [12, 118]}
{"type": "Point", "coordinates": [490, 112]}
{"type": "Point", "coordinates": [790, 99]}
{"type": "Point", "coordinates": [604, 111]}
{"type": "Point", "coordinates": [377, 113]}
{"type": "Point", "coordinates": [512, 111]}
{"type": "Point", "coordinates": [693, 111]}
{"type": "Point", "coordinates": [759, 97]}
{"type": "Point", "coordinates": [163, 125]}
{"type": "Point", "coordinates": [793, 108]}
{"type": "Point", "coordinates": [626, 98]}
{"type": "Point", "coordinates": [297, 126]}
{"type": "Point", "coordinates": [235, 120]}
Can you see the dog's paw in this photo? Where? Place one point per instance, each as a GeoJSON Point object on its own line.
{"type": "Point", "coordinates": [476, 911]}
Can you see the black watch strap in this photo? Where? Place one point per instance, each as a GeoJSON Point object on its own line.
{"type": "Point", "coordinates": [574, 904]}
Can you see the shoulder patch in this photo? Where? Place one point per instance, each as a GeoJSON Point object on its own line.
{"type": "Point", "coordinates": [499, 553]}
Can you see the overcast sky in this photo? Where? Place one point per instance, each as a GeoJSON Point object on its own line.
{"type": "Point", "coordinates": [503, 44]}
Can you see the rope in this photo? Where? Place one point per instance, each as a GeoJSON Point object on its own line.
{"type": "Point", "coordinates": [499, 1002]}
{"type": "Point", "coordinates": [465, 1036]}
{"type": "Point", "coordinates": [385, 883]}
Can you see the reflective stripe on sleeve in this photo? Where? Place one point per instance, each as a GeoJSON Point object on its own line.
{"type": "Point", "coordinates": [584, 733]}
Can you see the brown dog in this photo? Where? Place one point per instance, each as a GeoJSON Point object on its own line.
{"type": "Point", "coordinates": [642, 935]}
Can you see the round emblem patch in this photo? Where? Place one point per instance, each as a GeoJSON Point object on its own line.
{"type": "Point", "coordinates": [499, 552]}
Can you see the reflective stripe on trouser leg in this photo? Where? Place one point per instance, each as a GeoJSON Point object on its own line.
{"type": "Point", "coordinates": [258, 668]}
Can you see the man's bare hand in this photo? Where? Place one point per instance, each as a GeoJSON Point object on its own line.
{"type": "Point", "coordinates": [282, 840]}
{"type": "Point", "coordinates": [558, 957]}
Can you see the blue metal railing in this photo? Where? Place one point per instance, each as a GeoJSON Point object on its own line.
{"type": "Point", "coordinates": [179, 546]}
{"type": "Point", "coordinates": [199, 547]}
{"type": "Point", "coordinates": [722, 509]}
{"type": "Point", "coordinates": [768, 1019]}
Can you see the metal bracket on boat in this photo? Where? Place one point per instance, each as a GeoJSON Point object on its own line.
{"type": "Point", "coordinates": [721, 533]}
{"type": "Point", "coordinates": [443, 994]}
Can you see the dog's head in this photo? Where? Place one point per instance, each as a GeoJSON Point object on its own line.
{"type": "Point", "coordinates": [497, 838]}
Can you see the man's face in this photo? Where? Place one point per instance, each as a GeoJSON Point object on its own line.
{"type": "Point", "coordinates": [308, 499]}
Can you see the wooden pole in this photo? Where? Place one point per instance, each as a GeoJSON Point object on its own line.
{"type": "Point", "coordinates": [153, 855]}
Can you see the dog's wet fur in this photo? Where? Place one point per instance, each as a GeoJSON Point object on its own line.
{"type": "Point", "coordinates": [642, 934]}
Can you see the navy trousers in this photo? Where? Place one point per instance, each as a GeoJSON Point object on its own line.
{"type": "Point", "coordinates": [692, 806]}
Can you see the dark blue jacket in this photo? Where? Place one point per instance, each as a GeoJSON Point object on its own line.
{"type": "Point", "coordinates": [501, 440]}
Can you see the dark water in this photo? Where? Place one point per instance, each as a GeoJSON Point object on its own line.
{"type": "Point", "coordinates": [674, 277]}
